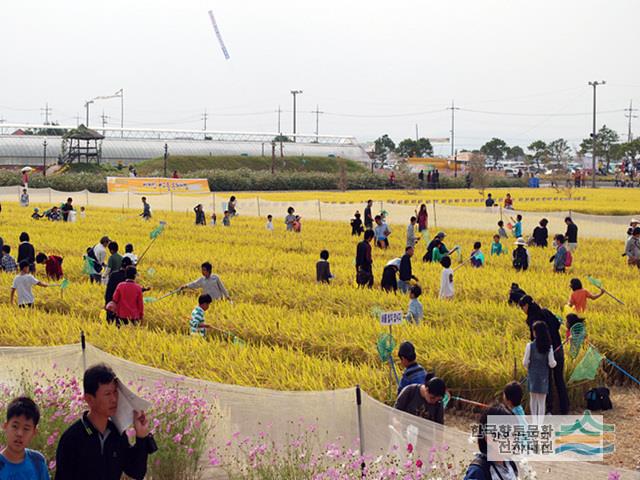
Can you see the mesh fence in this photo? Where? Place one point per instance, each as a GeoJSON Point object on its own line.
{"type": "Point", "coordinates": [246, 410]}
{"type": "Point", "coordinates": [440, 216]}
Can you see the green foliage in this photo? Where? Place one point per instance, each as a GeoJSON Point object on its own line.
{"type": "Point", "coordinates": [606, 145]}
{"type": "Point", "coordinates": [412, 148]}
{"type": "Point", "coordinates": [495, 148]}
{"type": "Point", "coordinates": [515, 152]}
{"type": "Point", "coordinates": [540, 153]}
{"type": "Point", "coordinates": [383, 146]}
{"type": "Point", "coordinates": [186, 165]}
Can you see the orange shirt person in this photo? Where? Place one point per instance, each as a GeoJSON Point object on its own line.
{"type": "Point", "coordinates": [578, 298]}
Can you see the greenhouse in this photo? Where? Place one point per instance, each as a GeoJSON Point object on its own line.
{"type": "Point", "coordinates": [135, 145]}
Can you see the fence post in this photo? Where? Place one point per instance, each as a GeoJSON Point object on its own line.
{"type": "Point", "coordinates": [129, 198]}
{"type": "Point", "coordinates": [213, 201]}
{"type": "Point", "coordinates": [319, 211]}
{"type": "Point", "coordinates": [258, 200]}
{"type": "Point", "coordinates": [86, 192]}
{"type": "Point", "coordinates": [435, 216]}
{"type": "Point", "coordinates": [360, 427]}
{"type": "Point", "coordinates": [172, 201]}
{"type": "Point", "coordinates": [84, 354]}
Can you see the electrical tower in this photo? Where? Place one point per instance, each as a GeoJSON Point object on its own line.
{"type": "Point", "coordinates": [46, 111]}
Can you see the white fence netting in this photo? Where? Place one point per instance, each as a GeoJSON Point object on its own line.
{"type": "Point", "coordinates": [246, 410]}
{"type": "Point", "coordinates": [440, 216]}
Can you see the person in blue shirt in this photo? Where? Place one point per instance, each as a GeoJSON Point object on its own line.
{"type": "Point", "coordinates": [16, 460]}
{"type": "Point", "coordinates": [517, 226]}
{"type": "Point", "coordinates": [414, 372]}
{"type": "Point", "coordinates": [512, 399]}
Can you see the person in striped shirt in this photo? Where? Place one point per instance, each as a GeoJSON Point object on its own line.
{"type": "Point", "coordinates": [196, 324]}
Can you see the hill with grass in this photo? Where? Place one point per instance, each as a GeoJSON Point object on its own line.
{"type": "Point", "coordinates": [186, 164]}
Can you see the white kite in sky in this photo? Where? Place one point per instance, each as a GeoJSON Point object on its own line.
{"type": "Point", "coordinates": [217, 30]}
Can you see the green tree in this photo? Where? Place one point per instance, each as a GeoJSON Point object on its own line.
{"type": "Point", "coordinates": [410, 148]}
{"type": "Point", "coordinates": [495, 148]}
{"type": "Point", "coordinates": [540, 152]}
{"type": "Point", "coordinates": [606, 148]}
{"type": "Point", "coordinates": [382, 147]}
{"type": "Point", "coordinates": [559, 151]}
{"type": "Point", "coordinates": [516, 153]}
{"type": "Point", "coordinates": [281, 138]}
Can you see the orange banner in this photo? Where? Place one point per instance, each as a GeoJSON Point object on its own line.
{"type": "Point", "coordinates": [151, 185]}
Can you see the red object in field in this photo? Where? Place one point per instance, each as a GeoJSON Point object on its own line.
{"type": "Point", "coordinates": [509, 226]}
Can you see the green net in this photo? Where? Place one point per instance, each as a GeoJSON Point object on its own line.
{"type": "Point", "coordinates": [588, 366]}
{"type": "Point", "coordinates": [376, 311]}
{"type": "Point", "coordinates": [151, 272]}
{"type": "Point", "coordinates": [385, 346]}
{"type": "Point", "coordinates": [88, 268]}
{"type": "Point", "coordinates": [594, 281]}
{"type": "Point", "coordinates": [149, 299]}
{"type": "Point", "coordinates": [578, 334]}
{"type": "Point", "coordinates": [446, 399]}
{"type": "Point", "coordinates": [156, 232]}
{"type": "Point", "coordinates": [64, 284]}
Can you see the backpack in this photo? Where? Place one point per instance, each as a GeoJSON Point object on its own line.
{"type": "Point", "coordinates": [568, 259]}
{"type": "Point", "coordinates": [598, 399]}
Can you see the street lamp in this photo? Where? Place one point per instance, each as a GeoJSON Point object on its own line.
{"type": "Point", "coordinates": [86, 105]}
{"type": "Point", "coordinates": [294, 93]}
{"type": "Point", "coordinates": [594, 135]}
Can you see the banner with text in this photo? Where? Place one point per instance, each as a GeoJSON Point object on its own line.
{"type": "Point", "coordinates": [157, 185]}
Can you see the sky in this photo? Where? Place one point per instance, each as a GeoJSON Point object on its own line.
{"type": "Point", "coordinates": [517, 70]}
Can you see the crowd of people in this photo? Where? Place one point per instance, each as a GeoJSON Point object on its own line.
{"type": "Point", "coordinates": [419, 392]}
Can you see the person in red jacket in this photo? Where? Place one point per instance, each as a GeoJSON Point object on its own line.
{"type": "Point", "coordinates": [52, 265]}
{"type": "Point", "coordinates": [128, 299]}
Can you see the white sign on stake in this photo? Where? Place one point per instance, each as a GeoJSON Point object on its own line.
{"type": "Point", "coordinates": [391, 318]}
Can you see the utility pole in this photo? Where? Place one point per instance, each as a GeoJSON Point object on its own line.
{"type": "Point", "coordinates": [279, 112]}
{"type": "Point", "coordinates": [317, 112]}
{"type": "Point", "coordinates": [630, 116]}
{"type": "Point", "coordinates": [295, 93]}
{"type": "Point", "coordinates": [2, 120]}
{"type": "Point", "coordinates": [46, 111]}
{"type": "Point", "coordinates": [417, 133]}
{"type": "Point", "coordinates": [104, 120]}
{"type": "Point", "coordinates": [594, 134]}
{"type": "Point", "coordinates": [204, 119]}
{"type": "Point", "coordinates": [453, 109]}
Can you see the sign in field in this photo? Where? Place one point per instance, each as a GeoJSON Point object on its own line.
{"type": "Point", "coordinates": [157, 185]}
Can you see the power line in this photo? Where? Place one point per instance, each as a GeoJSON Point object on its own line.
{"type": "Point", "coordinates": [515, 114]}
